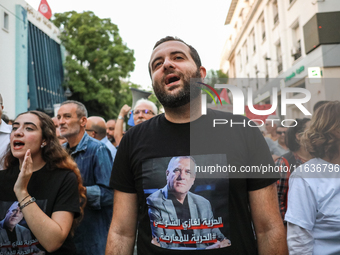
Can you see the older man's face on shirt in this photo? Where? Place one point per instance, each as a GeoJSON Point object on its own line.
{"type": "Point", "coordinates": [181, 175]}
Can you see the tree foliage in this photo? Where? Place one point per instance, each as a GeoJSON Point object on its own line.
{"type": "Point", "coordinates": [97, 61]}
{"type": "Point", "coordinates": [216, 77]}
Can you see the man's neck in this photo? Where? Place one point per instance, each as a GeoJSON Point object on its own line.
{"type": "Point", "coordinates": [9, 227]}
{"type": "Point", "coordinates": [186, 113]}
{"type": "Point", "coordinates": [180, 197]}
{"type": "Point", "coordinates": [283, 145]}
{"type": "Point", "coordinates": [75, 140]}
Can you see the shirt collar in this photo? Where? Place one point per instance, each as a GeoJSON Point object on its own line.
{"type": "Point", "coordinates": [5, 128]}
{"type": "Point", "coordinates": [104, 140]}
{"type": "Point", "coordinates": [82, 145]}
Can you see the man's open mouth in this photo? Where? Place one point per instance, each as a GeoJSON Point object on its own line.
{"type": "Point", "coordinates": [171, 78]}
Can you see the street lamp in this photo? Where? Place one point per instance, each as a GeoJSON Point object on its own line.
{"type": "Point", "coordinates": [48, 109]}
{"type": "Point", "coordinates": [68, 92]}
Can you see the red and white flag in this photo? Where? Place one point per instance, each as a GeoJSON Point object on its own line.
{"type": "Point", "coordinates": [45, 9]}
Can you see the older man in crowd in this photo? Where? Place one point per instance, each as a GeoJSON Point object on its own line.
{"type": "Point", "coordinates": [95, 163]}
{"type": "Point", "coordinates": [144, 110]}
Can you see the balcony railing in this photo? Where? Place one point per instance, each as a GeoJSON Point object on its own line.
{"type": "Point", "coordinates": [297, 54]}
{"type": "Point", "coordinates": [276, 18]}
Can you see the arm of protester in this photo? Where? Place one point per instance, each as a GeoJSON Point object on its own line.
{"type": "Point", "coordinates": [50, 232]}
{"type": "Point", "coordinates": [101, 194]}
{"type": "Point", "coordinates": [118, 134]}
{"type": "Point", "coordinates": [122, 233]}
{"type": "Point", "coordinates": [301, 214]}
{"type": "Point", "coordinates": [282, 187]}
{"type": "Point", "coordinates": [300, 240]}
{"type": "Point", "coordinates": [270, 233]}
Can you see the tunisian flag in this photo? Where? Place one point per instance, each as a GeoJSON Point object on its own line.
{"type": "Point", "coordinates": [45, 9]}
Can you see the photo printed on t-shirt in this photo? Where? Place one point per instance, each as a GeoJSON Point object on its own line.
{"type": "Point", "coordinates": [15, 235]}
{"type": "Point", "coordinates": [186, 209]}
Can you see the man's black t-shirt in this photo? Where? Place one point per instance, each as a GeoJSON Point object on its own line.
{"type": "Point", "coordinates": [54, 190]}
{"type": "Point", "coordinates": [218, 202]}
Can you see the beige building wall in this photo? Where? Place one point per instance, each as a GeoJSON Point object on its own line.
{"type": "Point", "coordinates": [266, 42]}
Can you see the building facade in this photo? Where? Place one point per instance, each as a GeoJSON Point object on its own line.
{"type": "Point", "coordinates": [284, 43]}
{"type": "Point", "coordinates": [31, 70]}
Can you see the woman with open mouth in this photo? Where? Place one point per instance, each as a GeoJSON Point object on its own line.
{"type": "Point", "coordinates": [41, 192]}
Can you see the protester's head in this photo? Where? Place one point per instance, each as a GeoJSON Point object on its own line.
{"type": "Point", "coordinates": [272, 123]}
{"type": "Point", "coordinates": [72, 117]}
{"type": "Point", "coordinates": [180, 174]}
{"type": "Point", "coordinates": [323, 136]}
{"type": "Point", "coordinates": [281, 132]}
{"type": "Point", "coordinates": [110, 130]}
{"type": "Point", "coordinates": [144, 110]}
{"type": "Point", "coordinates": [319, 104]}
{"type": "Point", "coordinates": [55, 121]}
{"type": "Point", "coordinates": [13, 216]}
{"type": "Point", "coordinates": [172, 64]}
{"type": "Point", "coordinates": [96, 127]}
{"type": "Point", "coordinates": [294, 134]}
{"type": "Point", "coordinates": [193, 52]}
{"type": "Point", "coordinates": [35, 130]}
{"type": "Point", "coordinates": [32, 130]}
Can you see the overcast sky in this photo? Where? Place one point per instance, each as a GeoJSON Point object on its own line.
{"type": "Point", "coordinates": [142, 23]}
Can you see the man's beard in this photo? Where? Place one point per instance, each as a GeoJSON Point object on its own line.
{"type": "Point", "coordinates": [182, 97]}
{"type": "Point", "coordinates": [111, 139]}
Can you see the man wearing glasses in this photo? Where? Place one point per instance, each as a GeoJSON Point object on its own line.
{"type": "Point", "coordinates": [280, 142]}
{"type": "Point", "coordinates": [144, 110]}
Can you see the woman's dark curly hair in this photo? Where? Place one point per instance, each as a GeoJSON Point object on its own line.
{"type": "Point", "coordinates": [319, 138]}
{"type": "Point", "coordinates": [54, 156]}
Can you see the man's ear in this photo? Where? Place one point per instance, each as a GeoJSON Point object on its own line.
{"type": "Point", "coordinates": [92, 134]}
{"type": "Point", "coordinates": [83, 121]}
{"type": "Point", "coordinates": [167, 173]}
{"type": "Point", "coordinates": [203, 72]}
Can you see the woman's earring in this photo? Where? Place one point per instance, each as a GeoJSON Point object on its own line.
{"type": "Point", "coordinates": [42, 145]}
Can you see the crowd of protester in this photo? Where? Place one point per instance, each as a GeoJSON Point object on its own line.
{"type": "Point", "coordinates": [55, 180]}
{"type": "Point", "coordinates": [56, 196]}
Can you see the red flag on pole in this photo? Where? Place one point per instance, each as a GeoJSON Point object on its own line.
{"type": "Point", "coordinates": [45, 9]}
{"type": "Point", "coordinates": [224, 96]}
